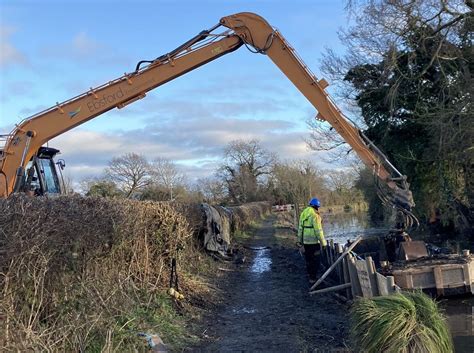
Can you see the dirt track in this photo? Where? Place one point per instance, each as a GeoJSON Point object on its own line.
{"type": "Point", "coordinates": [266, 306]}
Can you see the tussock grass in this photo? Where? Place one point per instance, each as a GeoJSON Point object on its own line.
{"type": "Point", "coordinates": [399, 323]}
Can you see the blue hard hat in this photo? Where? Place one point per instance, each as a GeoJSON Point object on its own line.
{"type": "Point", "coordinates": [314, 202]}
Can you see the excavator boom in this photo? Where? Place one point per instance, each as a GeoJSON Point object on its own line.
{"type": "Point", "coordinates": [244, 28]}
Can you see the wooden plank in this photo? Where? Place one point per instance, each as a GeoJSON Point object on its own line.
{"type": "Point", "coordinates": [328, 271]}
{"type": "Point", "coordinates": [371, 271]}
{"type": "Point", "coordinates": [392, 287]}
{"type": "Point", "coordinates": [428, 268]}
{"type": "Point", "coordinates": [339, 251]}
{"type": "Point", "coordinates": [331, 250]}
{"type": "Point", "coordinates": [382, 284]}
{"type": "Point", "coordinates": [467, 274]}
{"type": "Point", "coordinates": [364, 278]}
{"type": "Point", "coordinates": [409, 280]}
{"type": "Point", "coordinates": [438, 280]}
{"type": "Point", "coordinates": [345, 274]}
{"type": "Point", "coordinates": [331, 289]}
{"type": "Point", "coordinates": [356, 289]}
{"type": "Point", "coordinates": [352, 275]}
{"type": "Point", "coordinates": [453, 277]}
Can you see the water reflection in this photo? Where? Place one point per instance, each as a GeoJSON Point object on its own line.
{"type": "Point", "coordinates": [460, 316]}
{"type": "Point", "coordinates": [349, 225]}
{"type": "Point", "coordinates": [261, 262]}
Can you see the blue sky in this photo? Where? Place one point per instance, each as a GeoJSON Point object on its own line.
{"type": "Point", "coordinates": [51, 51]}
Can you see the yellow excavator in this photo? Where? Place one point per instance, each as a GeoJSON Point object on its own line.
{"type": "Point", "coordinates": [26, 166]}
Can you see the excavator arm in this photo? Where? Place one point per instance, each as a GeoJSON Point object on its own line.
{"type": "Point", "coordinates": [263, 38]}
{"type": "Point", "coordinates": [244, 28]}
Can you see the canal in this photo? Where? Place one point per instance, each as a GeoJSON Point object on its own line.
{"type": "Point", "coordinates": [459, 311]}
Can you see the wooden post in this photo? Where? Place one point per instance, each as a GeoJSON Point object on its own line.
{"type": "Point", "coordinates": [340, 274]}
{"type": "Point", "coordinates": [356, 288]}
{"type": "Point", "coordinates": [371, 271]}
{"type": "Point", "coordinates": [346, 277]}
{"type": "Point", "coordinates": [331, 250]}
{"type": "Point", "coordinates": [391, 284]}
{"type": "Point", "coordinates": [438, 280]}
{"type": "Point", "coordinates": [329, 270]}
{"type": "Point", "coordinates": [325, 257]}
{"type": "Point", "coordinates": [331, 289]}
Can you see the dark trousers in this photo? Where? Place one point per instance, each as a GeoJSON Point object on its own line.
{"type": "Point", "coordinates": [312, 255]}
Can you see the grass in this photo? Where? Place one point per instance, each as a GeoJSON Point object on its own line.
{"type": "Point", "coordinates": [399, 323]}
{"type": "Point", "coordinates": [161, 317]}
{"type": "Point", "coordinates": [248, 232]}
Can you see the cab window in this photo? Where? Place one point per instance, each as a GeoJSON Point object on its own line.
{"type": "Point", "coordinates": [34, 182]}
{"type": "Point", "coordinates": [50, 177]}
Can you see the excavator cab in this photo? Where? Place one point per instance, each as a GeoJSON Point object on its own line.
{"type": "Point", "coordinates": [42, 177]}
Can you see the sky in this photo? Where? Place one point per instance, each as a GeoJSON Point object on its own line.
{"type": "Point", "coordinates": [52, 50]}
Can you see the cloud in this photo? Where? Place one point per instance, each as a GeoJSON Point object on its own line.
{"type": "Point", "coordinates": [80, 47]}
{"type": "Point", "coordinates": [9, 54]}
{"type": "Point", "coordinates": [83, 45]}
{"type": "Point", "coordinates": [196, 144]}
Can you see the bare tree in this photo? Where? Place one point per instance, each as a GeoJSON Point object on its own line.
{"type": "Point", "coordinates": [130, 172]}
{"type": "Point", "coordinates": [244, 169]}
{"type": "Point", "coordinates": [342, 184]}
{"type": "Point", "coordinates": [212, 189]}
{"type": "Point", "coordinates": [165, 173]}
{"type": "Point", "coordinates": [382, 30]}
{"type": "Point", "coordinates": [68, 184]}
{"type": "Point", "coordinates": [297, 181]}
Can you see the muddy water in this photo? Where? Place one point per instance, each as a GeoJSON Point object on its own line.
{"type": "Point", "coordinates": [459, 311]}
{"type": "Point", "coordinates": [344, 226]}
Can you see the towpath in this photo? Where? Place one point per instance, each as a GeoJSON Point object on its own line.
{"type": "Point", "coordinates": [265, 305]}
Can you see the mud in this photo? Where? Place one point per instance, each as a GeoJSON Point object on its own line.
{"type": "Point", "coordinates": [265, 305]}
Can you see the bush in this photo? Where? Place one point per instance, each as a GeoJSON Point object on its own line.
{"type": "Point", "coordinates": [76, 271]}
{"type": "Point", "coordinates": [89, 273]}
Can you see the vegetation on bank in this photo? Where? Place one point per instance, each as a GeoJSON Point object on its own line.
{"type": "Point", "coordinates": [91, 274]}
{"type": "Point", "coordinates": [248, 173]}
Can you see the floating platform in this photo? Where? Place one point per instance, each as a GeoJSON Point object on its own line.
{"type": "Point", "coordinates": [444, 274]}
{"type": "Point", "coordinates": [366, 272]}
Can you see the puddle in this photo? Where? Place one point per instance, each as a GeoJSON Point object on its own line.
{"type": "Point", "coordinates": [261, 262]}
{"type": "Point", "coordinates": [244, 311]}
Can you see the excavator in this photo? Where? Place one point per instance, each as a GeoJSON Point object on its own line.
{"type": "Point", "coordinates": [27, 166]}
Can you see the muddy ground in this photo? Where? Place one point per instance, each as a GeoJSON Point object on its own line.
{"type": "Point", "coordinates": [265, 305]}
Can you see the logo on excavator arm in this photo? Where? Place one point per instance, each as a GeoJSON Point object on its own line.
{"type": "Point", "coordinates": [74, 113]}
{"type": "Point", "coordinates": [217, 50]}
{"type": "Point", "coordinates": [105, 100]}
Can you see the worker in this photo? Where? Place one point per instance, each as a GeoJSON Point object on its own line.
{"type": "Point", "coordinates": [311, 237]}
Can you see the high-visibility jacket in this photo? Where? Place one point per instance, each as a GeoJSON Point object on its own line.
{"type": "Point", "coordinates": [310, 230]}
